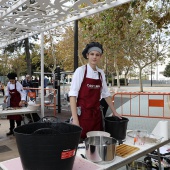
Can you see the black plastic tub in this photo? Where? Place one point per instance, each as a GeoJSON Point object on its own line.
{"type": "Point", "coordinates": [116, 127]}
{"type": "Point", "coordinates": [44, 146]}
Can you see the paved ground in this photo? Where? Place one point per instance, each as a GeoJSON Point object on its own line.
{"type": "Point", "coordinates": [8, 148]}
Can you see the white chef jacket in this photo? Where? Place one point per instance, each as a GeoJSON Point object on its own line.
{"type": "Point", "coordinates": [19, 88]}
{"type": "Point", "coordinates": [78, 79]}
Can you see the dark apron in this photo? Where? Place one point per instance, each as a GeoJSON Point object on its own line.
{"type": "Point", "coordinates": [88, 99]}
{"type": "Point", "coordinates": [15, 98]}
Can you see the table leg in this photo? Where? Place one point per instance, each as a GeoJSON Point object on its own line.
{"type": "Point", "coordinates": [31, 117]}
{"type": "Point", "coordinates": [159, 158]}
{"type": "Point", "coordinates": [23, 118]}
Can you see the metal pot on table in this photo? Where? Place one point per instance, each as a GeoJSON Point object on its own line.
{"type": "Point", "coordinates": [100, 148]}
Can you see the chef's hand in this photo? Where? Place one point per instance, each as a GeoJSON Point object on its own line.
{"type": "Point", "coordinates": [76, 122]}
{"type": "Point", "coordinates": [5, 99]}
{"type": "Point", "coordinates": [22, 102]}
{"type": "Point", "coordinates": [117, 115]}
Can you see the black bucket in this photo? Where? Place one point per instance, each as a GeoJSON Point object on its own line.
{"type": "Point", "coordinates": [47, 145]}
{"type": "Point", "coordinates": [116, 127]}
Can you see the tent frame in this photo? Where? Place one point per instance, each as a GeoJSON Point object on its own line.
{"type": "Point", "coordinates": [20, 19]}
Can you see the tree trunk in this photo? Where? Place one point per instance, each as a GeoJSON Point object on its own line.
{"type": "Point", "coordinates": [126, 73]}
{"type": "Point", "coordinates": [5, 69]}
{"type": "Point", "coordinates": [105, 68]}
{"type": "Point", "coordinates": [140, 80]}
{"type": "Point", "coordinates": [118, 80]}
{"type": "Point", "coordinates": [113, 78]}
{"type": "Point", "coordinates": [126, 83]}
{"type": "Point", "coordinates": [117, 74]}
{"type": "Point", "coordinates": [28, 58]}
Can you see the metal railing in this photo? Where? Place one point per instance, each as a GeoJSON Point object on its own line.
{"type": "Point", "coordinates": [143, 104]}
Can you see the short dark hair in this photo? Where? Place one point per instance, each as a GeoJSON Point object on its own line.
{"type": "Point", "coordinates": [12, 76]}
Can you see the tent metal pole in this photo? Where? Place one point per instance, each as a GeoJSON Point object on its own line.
{"type": "Point", "coordinates": [42, 74]}
{"type": "Point", "coordinates": [75, 45]}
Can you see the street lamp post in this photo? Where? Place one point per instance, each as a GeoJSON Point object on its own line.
{"type": "Point", "coordinates": [58, 77]}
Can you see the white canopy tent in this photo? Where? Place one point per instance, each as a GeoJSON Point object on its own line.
{"type": "Point", "coordinates": [20, 19]}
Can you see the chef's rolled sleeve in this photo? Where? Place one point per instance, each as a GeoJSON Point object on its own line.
{"type": "Point", "coordinates": [76, 81]}
{"type": "Point", "coordinates": [106, 94]}
{"type": "Point", "coordinates": [73, 93]}
{"type": "Point", "coordinates": [23, 94]}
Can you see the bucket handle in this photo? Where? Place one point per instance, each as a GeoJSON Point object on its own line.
{"type": "Point", "coordinates": [46, 131]}
{"type": "Point", "coordinates": [49, 119]}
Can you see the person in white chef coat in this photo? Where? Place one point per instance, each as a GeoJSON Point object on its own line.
{"type": "Point", "coordinates": [87, 88]}
{"type": "Point", "coordinates": [16, 98]}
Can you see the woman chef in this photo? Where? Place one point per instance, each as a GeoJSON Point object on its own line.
{"type": "Point", "coordinates": [87, 87]}
{"type": "Point", "coordinates": [16, 96]}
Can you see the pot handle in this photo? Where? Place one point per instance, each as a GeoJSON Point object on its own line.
{"type": "Point", "coordinates": [46, 131]}
{"type": "Point", "coordinates": [119, 142]}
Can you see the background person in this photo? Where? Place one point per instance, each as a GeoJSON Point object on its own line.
{"type": "Point", "coordinates": [27, 82]}
{"type": "Point", "coordinates": [46, 81]}
{"type": "Point", "coordinates": [2, 88]}
{"type": "Point", "coordinates": [16, 96]}
{"type": "Point", "coordinates": [36, 85]}
{"type": "Point", "coordinates": [87, 88]}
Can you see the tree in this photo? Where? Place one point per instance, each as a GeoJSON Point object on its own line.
{"type": "Point", "coordinates": [4, 66]}
{"type": "Point", "coordinates": [17, 46]}
{"type": "Point", "coordinates": [167, 70]}
{"type": "Point", "coordinates": [66, 46]}
{"type": "Point", "coordinates": [65, 49]}
{"type": "Point", "coordinates": [36, 59]}
{"type": "Point", "coordinates": [110, 26]}
{"type": "Point", "coordinates": [12, 63]}
{"type": "Point", "coordinates": [18, 64]}
{"type": "Point", "coordinates": [28, 57]}
{"type": "Point", "coordinates": [131, 31]}
{"type": "Point", "coordinates": [159, 13]}
{"type": "Point", "coordinates": [147, 32]}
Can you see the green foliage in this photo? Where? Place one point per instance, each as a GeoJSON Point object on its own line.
{"type": "Point", "coordinates": [19, 46]}
{"type": "Point", "coordinates": [167, 71]}
{"type": "Point", "coordinates": [129, 34]}
{"type": "Point", "coordinates": [159, 13]}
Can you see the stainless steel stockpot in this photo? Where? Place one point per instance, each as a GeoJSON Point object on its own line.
{"type": "Point", "coordinates": [100, 148]}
